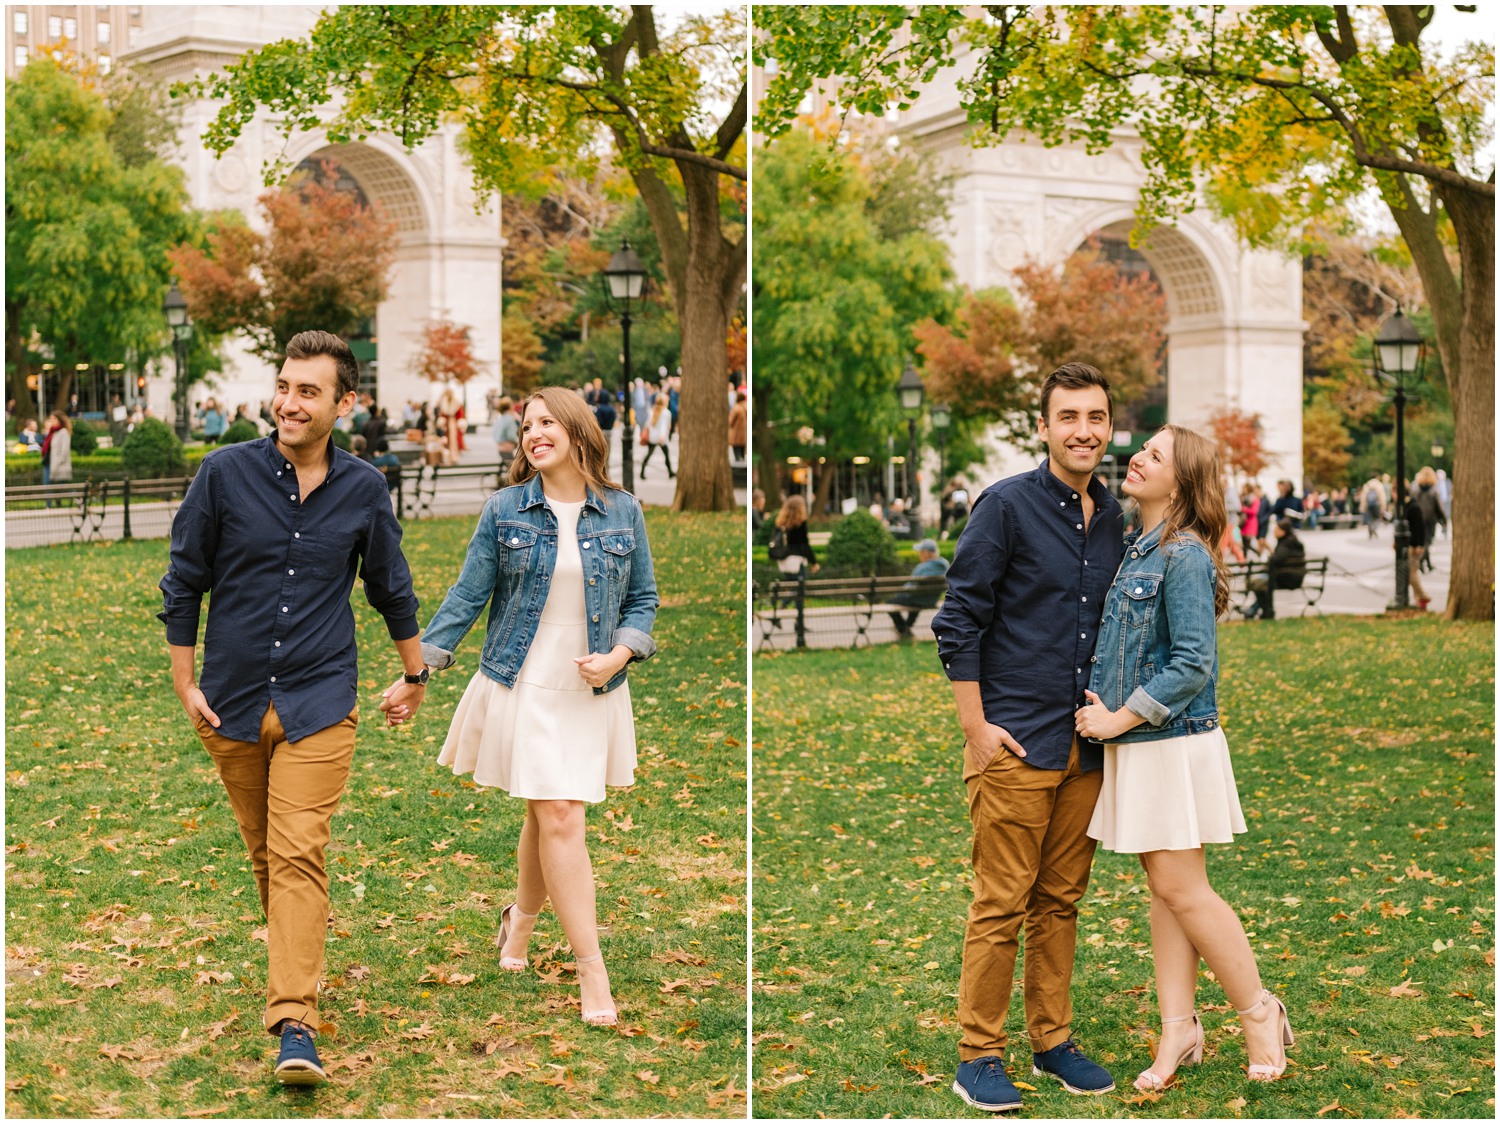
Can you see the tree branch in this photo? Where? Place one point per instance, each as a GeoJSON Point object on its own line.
{"type": "Point", "coordinates": [688, 156]}
{"type": "Point", "coordinates": [733, 125]}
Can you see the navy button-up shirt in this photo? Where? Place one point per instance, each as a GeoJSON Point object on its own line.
{"type": "Point", "coordinates": [281, 567]}
{"type": "Point", "coordinates": [1025, 597]}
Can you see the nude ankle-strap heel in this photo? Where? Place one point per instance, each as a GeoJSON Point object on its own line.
{"type": "Point", "coordinates": [609, 1016]}
{"type": "Point", "coordinates": [1258, 1072]}
{"type": "Point", "coordinates": [510, 963]}
{"type": "Point", "coordinates": [1151, 1082]}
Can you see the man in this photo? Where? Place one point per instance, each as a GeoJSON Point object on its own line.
{"type": "Point", "coordinates": [277, 528]}
{"type": "Point", "coordinates": [1016, 636]}
{"type": "Point", "coordinates": [1288, 504]}
{"type": "Point", "coordinates": [930, 564]}
{"type": "Point", "coordinates": [506, 431]}
{"type": "Point", "coordinates": [1286, 569]}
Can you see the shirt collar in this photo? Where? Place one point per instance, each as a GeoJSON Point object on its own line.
{"type": "Point", "coordinates": [1043, 472]}
{"type": "Point", "coordinates": [279, 461]}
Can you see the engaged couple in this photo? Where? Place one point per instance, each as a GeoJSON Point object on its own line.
{"type": "Point", "coordinates": [277, 530]}
{"type": "Point", "coordinates": [1083, 663]}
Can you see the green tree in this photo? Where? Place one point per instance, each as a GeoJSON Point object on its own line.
{"type": "Point", "coordinates": [86, 232]}
{"type": "Point", "coordinates": [326, 259]}
{"type": "Point", "coordinates": [837, 291]}
{"type": "Point", "coordinates": [1278, 113]}
{"type": "Point", "coordinates": [533, 87]}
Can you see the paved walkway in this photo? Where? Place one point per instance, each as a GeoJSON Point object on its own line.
{"type": "Point", "coordinates": [1361, 582]}
{"type": "Point", "coordinates": [463, 496]}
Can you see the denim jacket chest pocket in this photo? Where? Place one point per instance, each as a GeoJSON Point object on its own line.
{"type": "Point", "coordinates": [618, 546]}
{"type": "Point", "coordinates": [516, 551]}
{"type": "Point", "coordinates": [1138, 599]}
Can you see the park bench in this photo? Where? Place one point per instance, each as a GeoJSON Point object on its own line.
{"type": "Point", "coordinates": [169, 490]}
{"type": "Point", "coordinates": [1241, 574]}
{"type": "Point", "coordinates": [420, 482]}
{"type": "Point", "coordinates": [82, 501]}
{"type": "Point", "coordinates": [855, 601]}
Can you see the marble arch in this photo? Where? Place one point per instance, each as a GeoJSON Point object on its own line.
{"type": "Point", "coordinates": [1234, 314]}
{"type": "Point", "coordinates": [448, 244]}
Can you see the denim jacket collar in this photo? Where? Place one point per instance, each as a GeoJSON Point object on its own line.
{"type": "Point", "coordinates": [533, 495]}
{"type": "Point", "coordinates": [1145, 543]}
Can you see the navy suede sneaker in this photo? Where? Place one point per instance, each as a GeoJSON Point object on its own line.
{"type": "Point", "coordinates": [298, 1063]}
{"type": "Point", "coordinates": [984, 1084]}
{"type": "Point", "coordinates": [1066, 1063]}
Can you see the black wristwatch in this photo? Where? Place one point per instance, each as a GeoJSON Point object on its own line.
{"type": "Point", "coordinates": [417, 680]}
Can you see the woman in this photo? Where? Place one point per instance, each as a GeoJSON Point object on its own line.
{"type": "Point", "coordinates": [214, 422]}
{"type": "Point", "coordinates": [790, 548]}
{"type": "Point", "coordinates": [57, 449]}
{"type": "Point", "coordinates": [562, 558]}
{"type": "Point", "coordinates": [658, 431]}
{"type": "Point", "coordinates": [1168, 784]}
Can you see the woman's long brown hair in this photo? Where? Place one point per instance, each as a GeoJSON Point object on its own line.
{"type": "Point", "coordinates": [1197, 508]}
{"type": "Point", "coordinates": [590, 446]}
{"type": "Point", "coordinates": [793, 512]}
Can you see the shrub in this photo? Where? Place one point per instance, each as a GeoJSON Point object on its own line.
{"type": "Point", "coordinates": [85, 440]}
{"type": "Point", "coordinates": [859, 542]}
{"type": "Point", "coordinates": [341, 439]}
{"type": "Point", "coordinates": [242, 430]}
{"type": "Point", "coordinates": [153, 451]}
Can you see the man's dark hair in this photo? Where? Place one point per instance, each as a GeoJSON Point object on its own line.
{"type": "Point", "coordinates": [1075, 376]}
{"type": "Point", "coordinates": [310, 345]}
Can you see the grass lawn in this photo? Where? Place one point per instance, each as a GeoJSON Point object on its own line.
{"type": "Point", "coordinates": [135, 961]}
{"type": "Point", "coordinates": [1364, 754]}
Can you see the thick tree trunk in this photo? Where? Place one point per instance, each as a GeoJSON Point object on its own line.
{"type": "Point", "coordinates": [1471, 587]}
{"type": "Point", "coordinates": [706, 272]}
{"type": "Point", "coordinates": [15, 355]}
{"type": "Point", "coordinates": [763, 442]}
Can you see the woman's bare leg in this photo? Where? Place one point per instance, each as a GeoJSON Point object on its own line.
{"type": "Point", "coordinates": [570, 883]}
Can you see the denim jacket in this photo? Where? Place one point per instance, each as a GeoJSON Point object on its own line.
{"type": "Point", "coordinates": [1158, 645]}
{"type": "Point", "coordinates": [510, 563]}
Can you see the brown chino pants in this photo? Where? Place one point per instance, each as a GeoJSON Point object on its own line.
{"type": "Point", "coordinates": [284, 795]}
{"type": "Point", "coordinates": [1031, 865]}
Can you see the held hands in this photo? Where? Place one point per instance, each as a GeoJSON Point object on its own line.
{"type": "Point", "coordinates": [1097, 721]}
{"type": "Point", "coordinates": [400, 701]}
{"type": "Point", "coordinates": [598, 668]}
{"type": "Point", "coordinates": [987, 741]}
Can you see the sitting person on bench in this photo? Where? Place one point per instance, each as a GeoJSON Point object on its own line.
{"type": "Point", "coordinates": [1288, 567]}
{"type": "Point", "coordinates": [931, 564]}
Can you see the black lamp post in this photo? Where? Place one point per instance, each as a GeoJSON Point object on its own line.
{"type": "Point", "coordinates": [626, 277]}
{"type": "Point", "coordinates": [1399, 349]}
{"type": "Point", "coordinates": [175, 309]}
{"type": "Point", "coordinates": [910, 389]}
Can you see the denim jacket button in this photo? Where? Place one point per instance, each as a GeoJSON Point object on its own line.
{"type": "Point", "coordinates": [596, 617]}
{"type": "Point", "coordinates": [513, 542]}
{"type": "Point", "coordinates": [584, 545]}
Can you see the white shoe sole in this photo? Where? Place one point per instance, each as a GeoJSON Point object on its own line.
{"type": "Point", "coordinates": [1110, 1088]}
{"type": "Point", "coordinates": [963, 1095]}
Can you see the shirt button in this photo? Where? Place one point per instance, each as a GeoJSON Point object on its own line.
{"type": "Point", "coordinates": [291, 497]}
{"type": "Point", "coordinates": [283, 608]}
{"type": "Point", "coordinates": [294, 572]}
{"type": "Point", "coordinates": [1060, 503]}
{"type": "Point", "coordinates": [1078, 525]}
{"type": "Point", "coordinates": [278, 643]}
{"type": "Point", "coordinates": [1083, 636]}
{"type": "Point", "coordinates": [298, 535]}
{"type": "Point", "coordinates": [278, 474]}
{"type": "Point", "coordinates": [1085, 599]}
{"type": "Point", "coordinates": [273, 679]}
{"type": "Point", "coordinates": [1078, 671]}
{"type": "Point", "coordinates": [1075, 495]}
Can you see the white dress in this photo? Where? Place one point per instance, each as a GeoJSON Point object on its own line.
{"type": "Point", "coordinates": [549, 737]}
{"type": "Point", "coordinates": [1174, 794]}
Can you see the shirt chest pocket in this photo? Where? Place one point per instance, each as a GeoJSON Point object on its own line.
{"type": "Point", "coordinates": [328, 555]}
{"type": "Point", "coordinates": [517, 547]}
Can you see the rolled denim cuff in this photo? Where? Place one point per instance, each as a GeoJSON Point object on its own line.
{"type": "Point", "coordinates": [641, 646]}
{"type": "Point", "coordinates": [436, 658]}
{"type": "Point", "coordinates": [1147, 707]}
